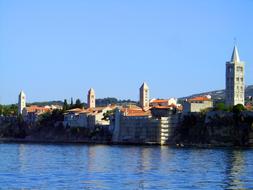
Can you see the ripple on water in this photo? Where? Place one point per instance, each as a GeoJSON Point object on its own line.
{"type": "Point", "coordinates": [36, 166]}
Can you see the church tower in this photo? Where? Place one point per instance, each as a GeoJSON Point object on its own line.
{"type": "Point", "coordinates": [234, 80]}
{"type": "Point", "coordinates": [144, 96]}
{"type": "Point", "coordinates": [91, 99]}
{"type": "Point", "coordinates": [21, 102]}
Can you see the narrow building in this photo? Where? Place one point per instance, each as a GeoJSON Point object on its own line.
{"type": "Point", "coordinates": [144, 96]}
{"type": "Point", "coordinates": [21, 102]}
{"type": "Point", "coordinates": [235, 85]}
{"type": "Point", "coordinates": [91, 98]}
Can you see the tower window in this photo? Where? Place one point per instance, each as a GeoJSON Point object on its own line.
{"type": "Point", "coordinates": [239, 69]}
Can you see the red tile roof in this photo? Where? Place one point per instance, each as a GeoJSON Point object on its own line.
{"type": "Point", "coordinates": [199, 98]}
{"type": "Point", "coordinates": [159, 101]}
{"type": "Point", "coordinates": [34, 108]}
{"type": "Point", "coordinates": [135, 112]}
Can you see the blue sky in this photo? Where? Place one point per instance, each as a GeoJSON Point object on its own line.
{"type": "Point", "coordinates": [56, 49]}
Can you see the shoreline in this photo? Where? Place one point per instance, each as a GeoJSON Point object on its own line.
{"type": "Point", "coordinates": [83, 142]}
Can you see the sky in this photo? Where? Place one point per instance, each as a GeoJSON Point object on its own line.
{"type": "Point", "coordinates": [57, 49]}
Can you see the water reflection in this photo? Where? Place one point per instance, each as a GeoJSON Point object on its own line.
{"type": "Point", "coordinates": [123, 167]}
{"type": "Point", "coordinates": [234, 169]}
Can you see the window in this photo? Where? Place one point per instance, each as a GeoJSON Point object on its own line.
{"type": "Point", "coordinates": [241, 79]}
{"type": "Point", "coordinates": [239, 69]}
{"type": "Point", "coordinates": [237, 79]}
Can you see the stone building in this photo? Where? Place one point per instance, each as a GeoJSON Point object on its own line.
{"type": "Point", "coordinates": [87, 118]}
{"type": "Point", "coordinates": [21, 103]}
{"type": "Point", "coordinates": [197, 104]}
{"type": "Point", "coordinates": [90, 117]}
{"type": "Point", "coordinates": [32, 113]}
{"type": "Point", "coordinates": [91, 98]}
{"type": "Point", "coordinates": [234, 80]}
{"type": "Point", "coordinates": [135, 125]}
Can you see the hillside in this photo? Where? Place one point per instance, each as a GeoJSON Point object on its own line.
{"type": "Point", "coordinates": [220, 94]}
{"type": "Point", "coordinates": [99, 102]}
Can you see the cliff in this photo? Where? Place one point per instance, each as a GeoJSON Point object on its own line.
{"type": "Point", "coordinates": [217, 128]}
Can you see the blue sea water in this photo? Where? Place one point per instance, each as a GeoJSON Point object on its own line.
{"type": "Point", "coordinates": [47, 166]}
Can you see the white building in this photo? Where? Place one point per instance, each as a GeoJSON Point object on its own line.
{"type": "Point", "coordinates": [163, 102]}
{"type": "Point", "coordinates": [235, 86]}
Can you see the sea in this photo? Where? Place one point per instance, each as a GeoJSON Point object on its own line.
{"type": "Point", "coordinates": [79, 166]}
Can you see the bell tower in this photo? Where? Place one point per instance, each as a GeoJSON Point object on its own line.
{"type": "Point", "coordinates": [91, 99]}
{"type": "Point", "coordinates": [144, 96]}
{"type": "Point", "coordinates": [21, 102]}
{"type": "Point", "coordinates": [235, 84]}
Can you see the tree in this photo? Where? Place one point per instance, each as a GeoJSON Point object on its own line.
{"type": "Point", "coordinates": [220, 107]}
{"type": "Point", "coordinates": [78, 104]}
{"type": "Point", "coordinates": [238, 108]}
{"type": "Point", "coordinates": [71, 102]}
{"type": "Point", "coordinates": [65, 105]}
{"type": "Point", "coordinates": [1, 110]}
{"type": "Point", "coordinates": [108, 114]}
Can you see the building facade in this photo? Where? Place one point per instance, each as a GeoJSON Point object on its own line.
{"type": "Point", "coordinates": [134, 125]}
{"type": "Point", "coordinates": [21, 102]}
{"type": "Point", "coordinates": [144, 96]}
{"type": "Point", "coordinates": [163, 102]}
{"type": "Point", "coordinates": [235, 85]}
{"type": "Point", "coordinates": [197, 104]}
{"type": "Point", "coordinates": [87, 118]}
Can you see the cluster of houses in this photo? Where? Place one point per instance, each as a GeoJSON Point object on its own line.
{"type": "Point", "coordinates": [151, 121]}
{"type": "Point", "coordinates": [31, 113]}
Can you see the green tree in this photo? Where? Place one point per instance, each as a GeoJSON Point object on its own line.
{"type": "Point", "coordinates": [78, 104]}
{"type": "Point", "coordinates": [71, 102]}
{"type": "Point", "coordinates": [1, 110]}
{"type": "Point", "coordinates": [108, 114]}
{"type": "Point", "coordinates": [220, 107]}
{"type": "Point", "coordinates": [238, 108]}
{"type": "Point", "coordinates": [65, 105]}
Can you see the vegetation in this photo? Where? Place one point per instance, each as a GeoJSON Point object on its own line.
{"type": "Point", "coordinates": [78, 104]}
{"type": "Point", "coordinates": [8, 110]}
{"type": "Point", "coordinates": [238, 108]}
{"type": "Point", "coordinates": [108, 114]}
{"type": "Point", "coordinates": [109, 100]}
{"type": "Point", "coordinates": [230, 127]}
{"type": "Point", "coordinates": [51, 118]}
{"type": "Point", "coordinates": [45, 103]}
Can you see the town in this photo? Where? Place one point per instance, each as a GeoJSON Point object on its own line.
{"type": "Point", "coordinates": [152, 121]}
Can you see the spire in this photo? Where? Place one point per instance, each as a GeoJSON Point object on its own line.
{"type": "Point", "coordinates": [21, 93]}
{"type": "Point", "coordinates": [144, 86]}
{"type": "Point", "coordinates": [91, 90]}
{"type": "Point", "coordinates": [235, 56]}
